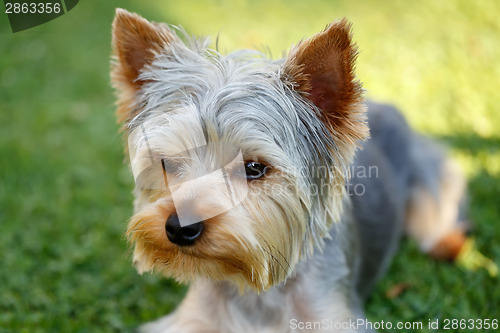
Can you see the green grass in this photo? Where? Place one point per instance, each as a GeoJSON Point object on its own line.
{"type": "Point", "coordinates": [65, 191]}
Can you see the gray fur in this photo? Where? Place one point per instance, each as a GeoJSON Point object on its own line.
{"type": "Point", "coordinates": [243, 98]}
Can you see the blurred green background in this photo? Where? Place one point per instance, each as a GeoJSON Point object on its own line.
{"type": "Point", "coordinates": [65, 191]}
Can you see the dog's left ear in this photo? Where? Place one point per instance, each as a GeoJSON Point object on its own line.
{"type": "Point", "coordinates": [321, 68]}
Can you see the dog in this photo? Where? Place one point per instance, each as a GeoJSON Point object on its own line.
{"type": "Point", "coordinates": [271, 187]}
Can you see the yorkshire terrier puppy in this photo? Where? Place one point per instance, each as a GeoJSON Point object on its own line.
{"type": "Point", "coordinates": [249, 188]}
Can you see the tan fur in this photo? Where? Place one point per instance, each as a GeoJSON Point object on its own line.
{"type": "Point", "coordinates": [449, 246]}
{"type": "Point", "coordinates": [135, 43]}
{"type": "Point", "coordinates": [207, 258]}
{"type": "Point", "coordinates": [322, 68]}
{"type": "Point", "coordinates": [249, 253]}
{"type": "Point", "coordinates": [265, 240]}
{"type": "Point", "coordinates": [256, 254]}
{"type": "Point", "coordinates": [432, 221]}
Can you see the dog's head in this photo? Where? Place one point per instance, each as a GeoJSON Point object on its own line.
{"type": "Point", "coordinates": [239, 161]}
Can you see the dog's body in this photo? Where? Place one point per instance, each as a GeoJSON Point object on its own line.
{"type": "Point", "coordinates": [390, 166]}
{"type": "Point", "coordinates": [274, 261]}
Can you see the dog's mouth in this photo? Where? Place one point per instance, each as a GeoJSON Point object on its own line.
{"type": "Point", "coordinates": [214, 256]}
{"type": "Point", "coordinates": [228, 247]}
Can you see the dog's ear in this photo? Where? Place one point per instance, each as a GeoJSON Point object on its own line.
{"type": "Point", "coordinates": [135, 43]}
{"type": "Point", "coordinates": [321, 68]}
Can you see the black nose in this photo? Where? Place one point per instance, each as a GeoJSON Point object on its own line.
{"type": "Point", "coordinates": [182, 235]}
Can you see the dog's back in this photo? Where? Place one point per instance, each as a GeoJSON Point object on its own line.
{"type": "Point", "coordinates": [402, 181]}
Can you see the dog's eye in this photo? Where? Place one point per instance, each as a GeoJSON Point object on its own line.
{"type": "Point", "coordinates": [255, 170]}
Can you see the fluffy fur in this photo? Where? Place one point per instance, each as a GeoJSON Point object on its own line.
{"type": "Point", "coordinates": [296, 246]}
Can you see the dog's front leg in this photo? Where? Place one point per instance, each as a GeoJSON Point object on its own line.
{"type": "Point", "coordinates": [194, 314]}
{"type": "Point", "coordinates": [173, 323]}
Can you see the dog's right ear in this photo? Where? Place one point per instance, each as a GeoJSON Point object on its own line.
{"type": "Point", "coordinates": [321, 68]}
{"type": "Point", "coordinates": [135, 43]}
